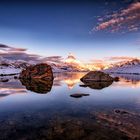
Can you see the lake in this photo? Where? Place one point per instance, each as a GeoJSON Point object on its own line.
{"type": "Point", "coordinates": [109, 112]}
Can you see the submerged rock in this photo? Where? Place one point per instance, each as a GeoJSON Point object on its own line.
{"type": "Point", "coordinates": [78, 95]}
{"type": "Point", "coordinates": [37, 85]}
{"type": "Point", "coordinates": [39, 71]}
{"type": "Point", "coordinates": [122, 120]}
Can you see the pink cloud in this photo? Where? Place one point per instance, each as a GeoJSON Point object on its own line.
{"type": "Point", "coordinates": [12, 53]}
{"type": "Point", "coordinates": [127, 19]}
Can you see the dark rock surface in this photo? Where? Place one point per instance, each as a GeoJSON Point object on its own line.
{"type": "Point", "coordinates": [78, 95]}
{"type": "Point", "coordinates": [39, 71]}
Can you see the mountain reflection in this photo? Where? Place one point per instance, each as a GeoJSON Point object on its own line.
{"type": "Point", "coordinates": [13, 86]}
{"type": "Point", "coordinates": [97, 85]}
{"type": "Point", "coordinates": [70, 79]}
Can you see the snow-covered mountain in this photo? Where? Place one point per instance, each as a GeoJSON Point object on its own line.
{"type": "Point", "coordinates": [57, 68]}
{"type": "Point", "coordinates": [70, 64]}
{"type": "Point", "coordinates": [129, 67]}
{"type": "Point", "coordinates": [11, 67]}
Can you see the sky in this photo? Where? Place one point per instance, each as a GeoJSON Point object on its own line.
{"type": "Point", "coordinates": [91, 30]}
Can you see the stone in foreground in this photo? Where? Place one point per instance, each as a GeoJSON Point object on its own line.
{"type": "Point", "coordinates": [79, 95]}
{"type": "Point", "coordinates": [97, 76]}
{"type": "Point", "coordinates": [39, 71]}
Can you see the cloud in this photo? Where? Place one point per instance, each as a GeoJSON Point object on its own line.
{"type": "Point", "coordinates": [54, 59]}
{"type": "Point", "coordinates": [11, 49]}
{"type": "Point", "coordinates": [119, 58]}
{"type": "Point", "coordinates": [12, 53]}
{"type": "Point", "coordinates": [126, 20]}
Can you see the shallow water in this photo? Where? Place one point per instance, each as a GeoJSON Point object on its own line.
{"type": "Point", "coordinates": [112, 112]}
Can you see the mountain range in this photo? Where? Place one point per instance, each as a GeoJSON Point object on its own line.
{"type": "Point", "coordinates": [129, 67]}
{"type": "Point", "coordinates": [10, 67]}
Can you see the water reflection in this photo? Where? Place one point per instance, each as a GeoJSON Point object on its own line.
{"type": "Point", "coordinates": [128, 80]}
{"type": "Point", "coordinates": [97, 85]}
{"type": "Point", "coordinates": [12, 86]}
{"type": "Point", "coordinates": [37, 85]}
{"type": "Point", "coordinates": [70, 79]}
{"type": "Point", "coordinates": [110, 115]}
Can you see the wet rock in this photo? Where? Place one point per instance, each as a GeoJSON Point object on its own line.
{"type": "Point", "coordinates": [37, 85]}
{"type": "Point", "coordinates": [79, 95]}
{"type": "Point", "coordinates": [39, 71]}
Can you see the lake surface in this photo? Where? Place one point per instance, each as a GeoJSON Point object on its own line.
{"type": "Point", "coordinates": [111, 112]}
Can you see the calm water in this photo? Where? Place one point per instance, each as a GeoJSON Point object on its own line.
{"type": "Point", "coordinates": [112, 112]}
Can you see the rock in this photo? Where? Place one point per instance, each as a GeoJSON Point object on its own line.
{"type": "Point", "coordinates": [83, 85]}
{"type": "Point", "coordinates": [123, 112]}
{"type": "Point", "coordinates": [15, 77]}
{"type": "Point", "coordinates": [97, 80]}
{"type": "Point", "coordinates": [96, 76]}
{"type": "Point", "coordinates": [78, 95]}
{"type": "Point", "coordinates": [116, 79]}
{"type": "Point", "coordinates": [4, 80]}
{"type": "Point", "coordinates": [37, 85]}
{"type": "Point", "coordinates": [39, 71]}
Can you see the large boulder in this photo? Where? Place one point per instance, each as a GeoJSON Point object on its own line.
{"type": "Point", "coordinates": [39, 71]}
{"type": "Point", "coordinates": [96, 76]}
